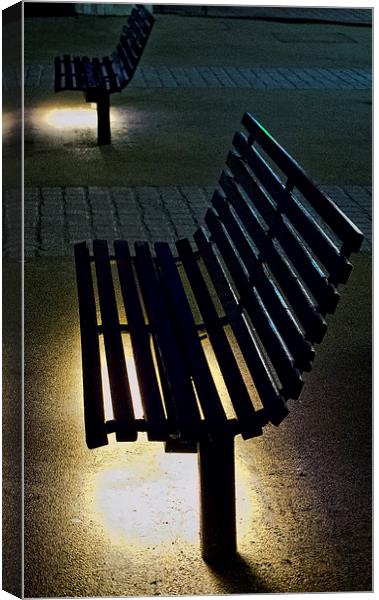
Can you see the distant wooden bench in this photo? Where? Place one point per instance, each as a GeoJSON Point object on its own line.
{"type": "Point", "coordinates": [98, 78]}
{"type": "Point", "coordinates": [264, 273]}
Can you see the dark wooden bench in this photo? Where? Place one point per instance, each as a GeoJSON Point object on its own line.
{"type": "Point", "coordinates": [98, 78]}
{"type": "Point", "coordinates": [264, 271]}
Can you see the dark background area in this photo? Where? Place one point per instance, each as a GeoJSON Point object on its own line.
{"type": "Point", "coordinates": [49, 9]}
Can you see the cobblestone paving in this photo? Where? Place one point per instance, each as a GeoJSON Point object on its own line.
{"type": "Point", "coordinates": [57, 217]}
{"type": "Point", "coordinates": [258, 78]}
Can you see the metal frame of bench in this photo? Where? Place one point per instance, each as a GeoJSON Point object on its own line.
{"type": "Point", "coordinates": [98, 78]}
{"type": "Point", "coordinates": [273, 250]}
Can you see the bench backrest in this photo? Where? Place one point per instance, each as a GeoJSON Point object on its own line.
{"type": "Point", "coordinates": [132, 43]}
{"type": "Point", "coordinates": [278, 247]}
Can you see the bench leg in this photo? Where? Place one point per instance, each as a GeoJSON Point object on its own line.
{"type": "Point", "coordinates": [103, 120]}
{"type": "Point", "coordinates": [217, 497]}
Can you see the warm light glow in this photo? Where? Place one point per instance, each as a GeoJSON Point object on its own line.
{"type": "Point", "coordinates": [149, 497]}
{"type": "Point", "coordinates": [133, 383]}
{"type": "Point", "coordinates": [134, 388]}
{"type": "Point", "coordinates": [246, 510]}
{"type": "Point", "coordinates": [152, 497]}
{"type": "Point", "coordinates": [218, 379]}
{"type": "Point", "coordinates": [71, 118]}
{"type": "Point", "coordinates": [144, 497]}
{"type": "Point", "coordinates": [9, 121]}
{"type": "Point", "coordinates": [107, 398]}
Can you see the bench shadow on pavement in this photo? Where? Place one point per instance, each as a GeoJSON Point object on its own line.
{"type": "Point", "coordinates": [238, 577]}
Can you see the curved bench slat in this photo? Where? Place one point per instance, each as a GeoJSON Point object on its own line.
{"type": "Point", "coordinates": [168, 346]}
{"type": "Point", "coordinates": [118, 377]}
{"type": "Point", "coordinates": [94, 417]}
{"type": "Point", "coordinates": [274, 404]}
{"type": "Point", "coordinates": [250, 298]}
{"type": "Point", "coordinates": [195, 359]}
{"type": "Point", "coordinates": [157, 428]}
{"type": "Point", "coordinates": [316, 238]}
{"type": "Point", "coordinates": [350, 235]}
{"type": "Point", "coordinates": [249, 424]}
{"type": "Point", "coordinates": [293, 289]}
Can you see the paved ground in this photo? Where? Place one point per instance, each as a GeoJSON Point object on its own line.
{"type": "Point", "coordinates": [58, 217]}
{"type": "Point", "coordinates": [291, 14]}
{"type": "Point", "coordinates": [124, 520]}
{"type": "Point", "coordinates": [258, 78]}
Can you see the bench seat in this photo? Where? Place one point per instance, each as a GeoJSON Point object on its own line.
{"type": "Point", "coordinates": [78, 73]}
{"type": "Point", "coordinates": [97, 78]}
{"type": "Point", "coordinates": [256, 282]}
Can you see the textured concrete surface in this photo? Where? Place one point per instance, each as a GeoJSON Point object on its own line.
{"type": "Point", "coordinates": [277, 13]}
{"type": "Point", "coordinates": [329, 131]}
{"type": "Point", "coordinates": [182, 41]}
{"type": "Point", "coordinates": [123, 520]}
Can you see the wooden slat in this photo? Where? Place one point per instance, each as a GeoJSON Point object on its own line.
{"type": "Point", "coordinates": [141, 33]}
{"type": "Point", "coordinates": [129, 51]}
{"type": "Point", "coordinates": [89, 73]}
{"type": "Point", "coordinates": [139, 36]}
{"type": "Point", "coordinates": [137, 44]}
{"type": "Point", "coordinates": [133, 15]}
{"type": "Point", "coordinates": [138, 23]}
{"type": "Point", "coordinates": [139, 41]}
{"type": "Point", "coordinates": [238, 393]}
{"type": "Point", "coordinates": [260, 168]}
{"type": "Point", "coordinates": [149, 388]}
{"type": "Point", "coordinates": [119, 69]}
{"type": "Point", "coordinates": [111, 75]}
{"type": "Point", "coordinates": [94, 417]}
{"type": "Point", "coordinates": [274, 302]}
{"type": "Point", "coordinates": [333, 216]}
{"type": "Point", "coordinates": [185, 326]}
{"type": "Point", "coordinates": [305, 310]}
{"type": "Point", "coordinates": [67, 65]}
{"type": "Point", "coordinates": [79, 75]}
{"type": "Point", "coordinates": [166, 391]}
{"type": "Point", "coordinates": [322, 246]}
{"type": "Point", "coordinates": [280, 357]}
{"type": "Point", "coordinates": [98, 73]}
{"type": "Point", "coordinates": [251, 299]}
{"type": "Point", "coordinates": [140, 19]}
{"type": "Point", "coordinates": [118, 377]}
{"type": "Point", "coordinates": [316, 281]}
{"type": "Point", "coordinates": [145, 14]}
{"type": "Point", "coordinates": [125, 61]}
{"type": "Point", "coordinates": [337, 265]}
{"type": "Point", "coordinates": [273, 403]}
{"type": "Point", "coordinates": [58, 74]}
{"type": "Point", "coordinates": [167, 344]}
{"type": "Point", "coordinates": [135, 38]}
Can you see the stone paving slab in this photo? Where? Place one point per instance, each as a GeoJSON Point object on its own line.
{"type": "Point", "coordinates": [315, 78]}
{"type": "Point", "coordinates": [57, 217]}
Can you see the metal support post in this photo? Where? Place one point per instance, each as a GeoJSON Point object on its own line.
{"type": "Point", "coordinates": [103, 119]}
{"type": "Point", "coordinates": [217, 498]}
